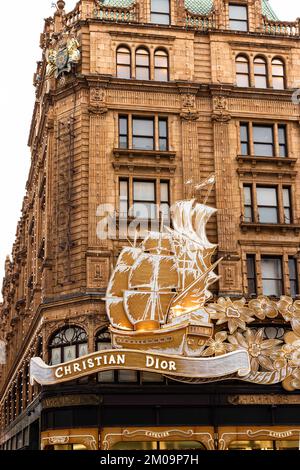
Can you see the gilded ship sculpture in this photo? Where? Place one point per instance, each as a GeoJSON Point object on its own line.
{"type": "Point", "coordinates": [156, 296]}
{"type": "Point", "coordinates": [163, 320]}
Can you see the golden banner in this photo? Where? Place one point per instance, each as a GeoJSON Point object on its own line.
{"type": "Point", "coordinates": [235, 363]}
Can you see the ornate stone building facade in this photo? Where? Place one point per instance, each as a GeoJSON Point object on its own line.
{"type": "Point", "coordinates": [138, 102]}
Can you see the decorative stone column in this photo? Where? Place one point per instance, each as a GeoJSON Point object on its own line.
{"type": "Point", "coordinates": [227, 199]}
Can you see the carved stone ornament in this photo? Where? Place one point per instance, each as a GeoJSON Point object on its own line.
{"type": "Point", "coordinates": [163, 320]}
{"type": "Point", "coordinates": [98, 101]}
{"type": "Point", "coordinates": [221, 109]}
{"type": "Point", "coordinates": [62, 54]}
{"type": "Point", "coordinates": [189, 111]}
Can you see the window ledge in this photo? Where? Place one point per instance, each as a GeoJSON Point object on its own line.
{"type": "Point", "coordinates": [279, 161]}
{"type": "Point", "coordinates": [157, 154]}
{"type": "Point", "coordinates": [258, 227]}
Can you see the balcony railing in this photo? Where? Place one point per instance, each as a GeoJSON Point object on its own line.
{"type": "Point", "coordinates": [73, 17]}
{"type": "Point", "coordinates": [201, 22]}
{"type": "Point", "coordinates": [281, 28]}
{"type": "Point", "coordinates": [117, 15]}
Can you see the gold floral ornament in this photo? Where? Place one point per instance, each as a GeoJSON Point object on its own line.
{"type": "Point", "coordinates": [236, 314]}
{"type": "Point", "coordinates": [290, 311]}
{"type": "Point", "coordinates": [263, 307]}
{"type": "Point", "coordinates": [259, 349]}
{"type": "Point", "coordinates": [217, 345]}
{"type": "Point", "coordinates": [291, 357]}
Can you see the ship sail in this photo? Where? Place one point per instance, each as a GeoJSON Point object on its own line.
{"type": "Point", "coordinates": [156, 272]}
{"type": "Point", "coordinates": [196, 294]}
{"type": "Point", "coordinates": [117, 285]}
{"type": "Point", "coordinates": [144, 306]}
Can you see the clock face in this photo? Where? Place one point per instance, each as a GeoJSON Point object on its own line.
{"type": "Point", "coordinates": [62, 59]}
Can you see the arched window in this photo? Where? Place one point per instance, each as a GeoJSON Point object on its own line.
{"type": "Point", "coordinates": [242, 71]}
{"type": "Point", "coordinates": [103, 342]}
{"type": "Point", "coordinates": [278, 74]}
{"type": "Point", "coordinates": [161, 66]}
{"type": "Point", "coordinates": [260, 72]}
{"type": "Point", "coordinates": [68, 344]}
{"type": "Point", "coordinates": [123, 62]}
{"type": "Point", "coordinates": [142, 62]}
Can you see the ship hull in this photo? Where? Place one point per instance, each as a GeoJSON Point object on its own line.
{"type": "Point", "coordinates": [187, 339]}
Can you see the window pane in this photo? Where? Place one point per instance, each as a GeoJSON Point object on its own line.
{"type": "Point", "coordinates": [272, 287]}
{"type": "Point", "coordinates": [268, 215]}
{"type": "Point", "coordinates": [123, 125]}
{"type": "Point", "coordinates": [237, 12]}
{"type": "Point", "coordinates": [123, 56]}
{"type": "Point", "coordinates": [56, 356]}
{"type": "Point", "coordinates": [278, 83]}
{"type": "Point", "coordinates": [144, 210]}
{"type": "Point", "coordinates": [263, 134]}
{"type": "Point", "coordinates": [144, 191]}
{"type": "Point", "coordinates": [143, 143]}
{"type": "Point", "coordinates": [69, 353]}
{"type": "Point", "coordinates": [161, 75]}
{"type": "Point", "coordinates": [143, 127]}
{"type": "Point", "coordinates": [161, 61]}
{"type": "Point", "coordinates": [263, 150]}
{"type": "Point", "coordinates": [242, 65]}
{"type": "Point", "coordinates": [247, 196]}
{"type": "Point", "coordinates": [271, 268]}
{"type": "Point", "coordinates": [163, 128]}
{"type": "Point", "coordinates": [83, 350]}
{"type": "Point", "coordinates": [160, 6]}
{"type": "Point", "coordinates": [286, 197]}
{"type": "Point", "coordinates": [160, 19]}
{"type": "Point", "coordinates": [164, 192]}
{"type": "Point", "coordinates": [243, 81]}
{"type": "Point", "coordinates": [267, 197]}
{"type": "Point", "coordinates": [127, 376]}
{"type": "Point", "coordinates": [293, 268]}
{"type": "Point", "coordinates": [260, 82]}
{"type": "Point", "coordinates": [244, 132]}
{"type": "Point", "coordinates": [239, 25]}
{"type": "Point", "coordinates": [142, 58]}
{"type": "Point", "coordinates": [142, 73]}
{"type": "Point", "coordinates": [124, 71]}
{"type": "Point", "coordinates": [152, 377]}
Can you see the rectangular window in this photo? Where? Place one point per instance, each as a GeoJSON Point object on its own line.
{"type": "Point", "coordinates": [124, 198]}
{"type": "Point", "coordinates": [283, 152]}
{"type": "Point", "coordinates": [123, 132]}
{"type": "Point", "coordinates": [293, 276]}
{"type": "Point", "coordinates": [267, 205]}
{"type": "Point", "coordinates": [143, 134]}
{"type": "Point", "coordinates": [248, 204]}
{"type": "Point", "coordinates": [160, 12]}
{"type": "Point", "coordinates": [238, 17]}
{"type": "Point", "coordinates": [263, 137]}
{"type": "Point", "coordinates": [251, 275]}
{"type": "Point", "coordinates": [107, 376]}
{"type": "Point", "coordinates": [287, 206]}
{"type": "Point", "coordinates": [244, 135]}
{"type": "Point", "coordinates": [272, 279]}
{"type": "Point", "coordinates": [144, 200]}
{"type": "Point", "coordinates": [163, 134]}
{"type": "Point", "coordinates": [165, 200]}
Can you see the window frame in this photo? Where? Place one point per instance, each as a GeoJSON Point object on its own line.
{"type": "Point", "coordinates": [62, 346]}
{"type": "Point", "coordinates": [241, 58]}
{"type": "Point", "coordinates": [143, 136]}
{"type": "Point", "coordinates": [158, 68]}
{"type": "Point", "coordinates": [295, 280]}
{"type": "Point", "coordinates": [252, 258]}
{"type": "Point", "coordinates": [139, 67]}
{"type": "Point", "coordinates": [256, 74]}
{"type": "Point", "coordinates": [159, 13]}
{"type": "Point", "coordinates": [236, 19]}
{"type": "Point", "coordinates": [122, 64]}
{"type": "Point", "coordinates": [277, 258]}
{"type": "Point", "coordinates": [275, 75]}
{"type": "Point", "coordinates": [260, 206]}
{"type": "Point", "coordinates": [255, 143]}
